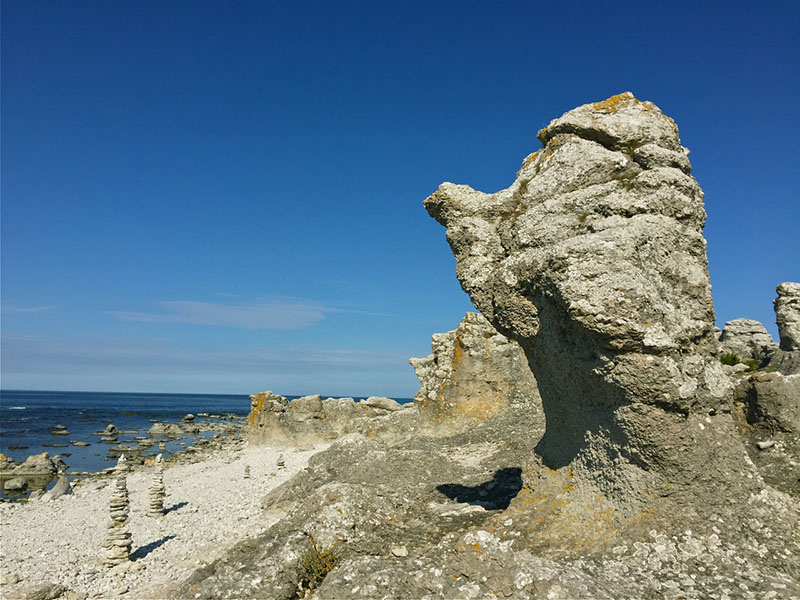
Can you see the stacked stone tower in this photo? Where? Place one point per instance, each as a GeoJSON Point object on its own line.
{"type": "Point", "coordinates": [157, 490]}
{"type": "Point", "coordinates": [118, 542]}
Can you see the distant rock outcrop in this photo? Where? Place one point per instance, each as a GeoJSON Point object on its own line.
{"type": "Point", "coordinates": [474, 373]}
{"type": "Point", "coordinates": [748, 339]}
{"type": "Point", "coordinates": [274, 420]}
{"type": "Point", "coordinates": [787, 315]}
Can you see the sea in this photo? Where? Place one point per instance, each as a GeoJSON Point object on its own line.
{"type": "Point", "coordinates": [27, 418]}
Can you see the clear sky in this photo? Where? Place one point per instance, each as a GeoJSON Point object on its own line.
{"type": "Point", "coordinates": [226, 197]}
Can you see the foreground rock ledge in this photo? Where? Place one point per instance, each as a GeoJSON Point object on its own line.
{"type": "Point", "coordinates": [595, 262]}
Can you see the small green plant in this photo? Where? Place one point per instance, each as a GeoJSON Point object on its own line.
{"type": "Point", "coordinates": [752, 364]}
{"type": "Point", "coordinates": [730, 359]}
{"type": "Point", "coordinates": [315, 564]}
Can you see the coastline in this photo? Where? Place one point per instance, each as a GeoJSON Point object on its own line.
{"type": "Point", "coordinates": [209, 506]}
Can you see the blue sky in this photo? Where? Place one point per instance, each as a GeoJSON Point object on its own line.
{"type": "Point", "coordinates": [226, 197]}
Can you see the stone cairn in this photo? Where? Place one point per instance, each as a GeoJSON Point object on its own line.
{"type": "Point", "coordinates": [247, 471]}
{"type": "Point", "coordinates": [118, 542]}
{"type": "Point", "coordinates": [281, 462]}
{"type": "Point", "coordinates": [157, 489]}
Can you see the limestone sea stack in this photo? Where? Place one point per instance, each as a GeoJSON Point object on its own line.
{"type": "Point", "coordinates": [117, 547]}
{"type": "Point", "coordinates": [594, 261]}
{"type": "Point", "coordinates": [787, 315]}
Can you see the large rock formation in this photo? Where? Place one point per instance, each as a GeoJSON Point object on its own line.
{"type": "Point", "coordinates": [748, 339]}
{"type": "Point", "coordinates": [274, 420]}
{"type": "Point", "coordinates": [639, 487]}
{"type": "Point", "coordinates": [474, 373]}
{"type": "Point", "coordinates": [594, 261]}
{"type": "Point", "coordinates": [787, 315]}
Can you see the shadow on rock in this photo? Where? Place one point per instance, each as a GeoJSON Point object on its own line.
{"type": "Point", "coordinates": [143, 551]}
{"type": "Point", "coordinates": [492, 495]}
{"type": "Point", "coordinates": [177, 506]}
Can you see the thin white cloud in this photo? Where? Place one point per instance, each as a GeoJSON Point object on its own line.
{"type": "Point", "coordinates": [22, 310]}
{"type": "Point", "coordinates": [283, 313]}
{"type": "Point", "coordinates": [37, 362]}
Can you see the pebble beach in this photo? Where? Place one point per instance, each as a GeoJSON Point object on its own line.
{"type": "Point", "coordinates": [210, 505]}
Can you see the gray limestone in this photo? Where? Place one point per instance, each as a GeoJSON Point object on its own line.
{"type": "Point", "coordinates": [748, 339]}
{"type": "Point", "coordinates": [15, 485]}
{"type": "Point", "coordinates": [61, 488]}
{"type": "Point", "coordinates": [473, 373]}
{"type": "Point", "coordinates": [787, 315]}
{"type": "Point", "coordinates": [594, 261]}
{"type": "Point", "coordinates": [274, 420]}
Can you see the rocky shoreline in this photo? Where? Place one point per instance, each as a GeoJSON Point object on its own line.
{"type": "Point", "coordinates": [27, 480]}
{"type": "Point", "coordinates": [212, 501]}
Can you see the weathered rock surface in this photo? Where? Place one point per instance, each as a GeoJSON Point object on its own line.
{"type": "Point", "coordinates": [748, 339]}
{"type": "Point", "coordinates": [36, 464]}
{"type": "Point", "coordinates": [365, 498]}
{"type": "Point", "coordinates": [15, 485]}
{"type": "Point", "coordinates": [274, 420]}
{"type": "Point", "coordinates": [787, 315]}
{"type": "Point", "coordinates": [594, 261]}
{"type": "Point", "coordinates": [44, 591]}
{"type": "Point", "coordinates": [474, 373]}
{"type": "Point", "coordinates": [61, 488]}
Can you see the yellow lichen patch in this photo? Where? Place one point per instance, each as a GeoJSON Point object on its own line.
{"type": "Point", "coordinates": [480, 409]}
{"type": "Point", "coordinates": [527, 161]}
{"type": "Point", "coordinates": [256, 407]}
{"type": "Point", "coordinates": [613, 104]}
{"type": "Point", "coordinates": [458, 355]}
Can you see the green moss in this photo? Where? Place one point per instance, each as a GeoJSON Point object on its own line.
{"type": "Point", "coordinates": [730, 359]}
{"type": "Point", "coordinates": [752, 364]}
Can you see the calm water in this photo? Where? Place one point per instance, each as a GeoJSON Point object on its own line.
{"type": "Point", "coordinates": [27, 416]}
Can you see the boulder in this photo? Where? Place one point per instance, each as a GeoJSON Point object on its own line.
{"type": "Point", "coordinates": [748, 340]}
{"type": "Point", "coordinates": [41, 464]}
{"type": "Point", "coordinates": [188, 418]}
{"type": "Point", "coordinates": [61, 488]}
{"type": "Point", "coordinates": [15, 485]}
{"type": "Point", "coordinates": [42, 591]}
{"type": "Point", "coordinates": [376, 406]}
{"type": "Point", "coordinates": [110, 430]}
{"type": "Point", "coordinates": [787, 315]}
{"type": "Point", "coordinates": [340, 412]}
{"type": "Point", "coordinates": [473, 373]}
{"type": "Point", "coordinates": [772, 400]}
{"type": "Point", "coordinates": [165, 430]}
